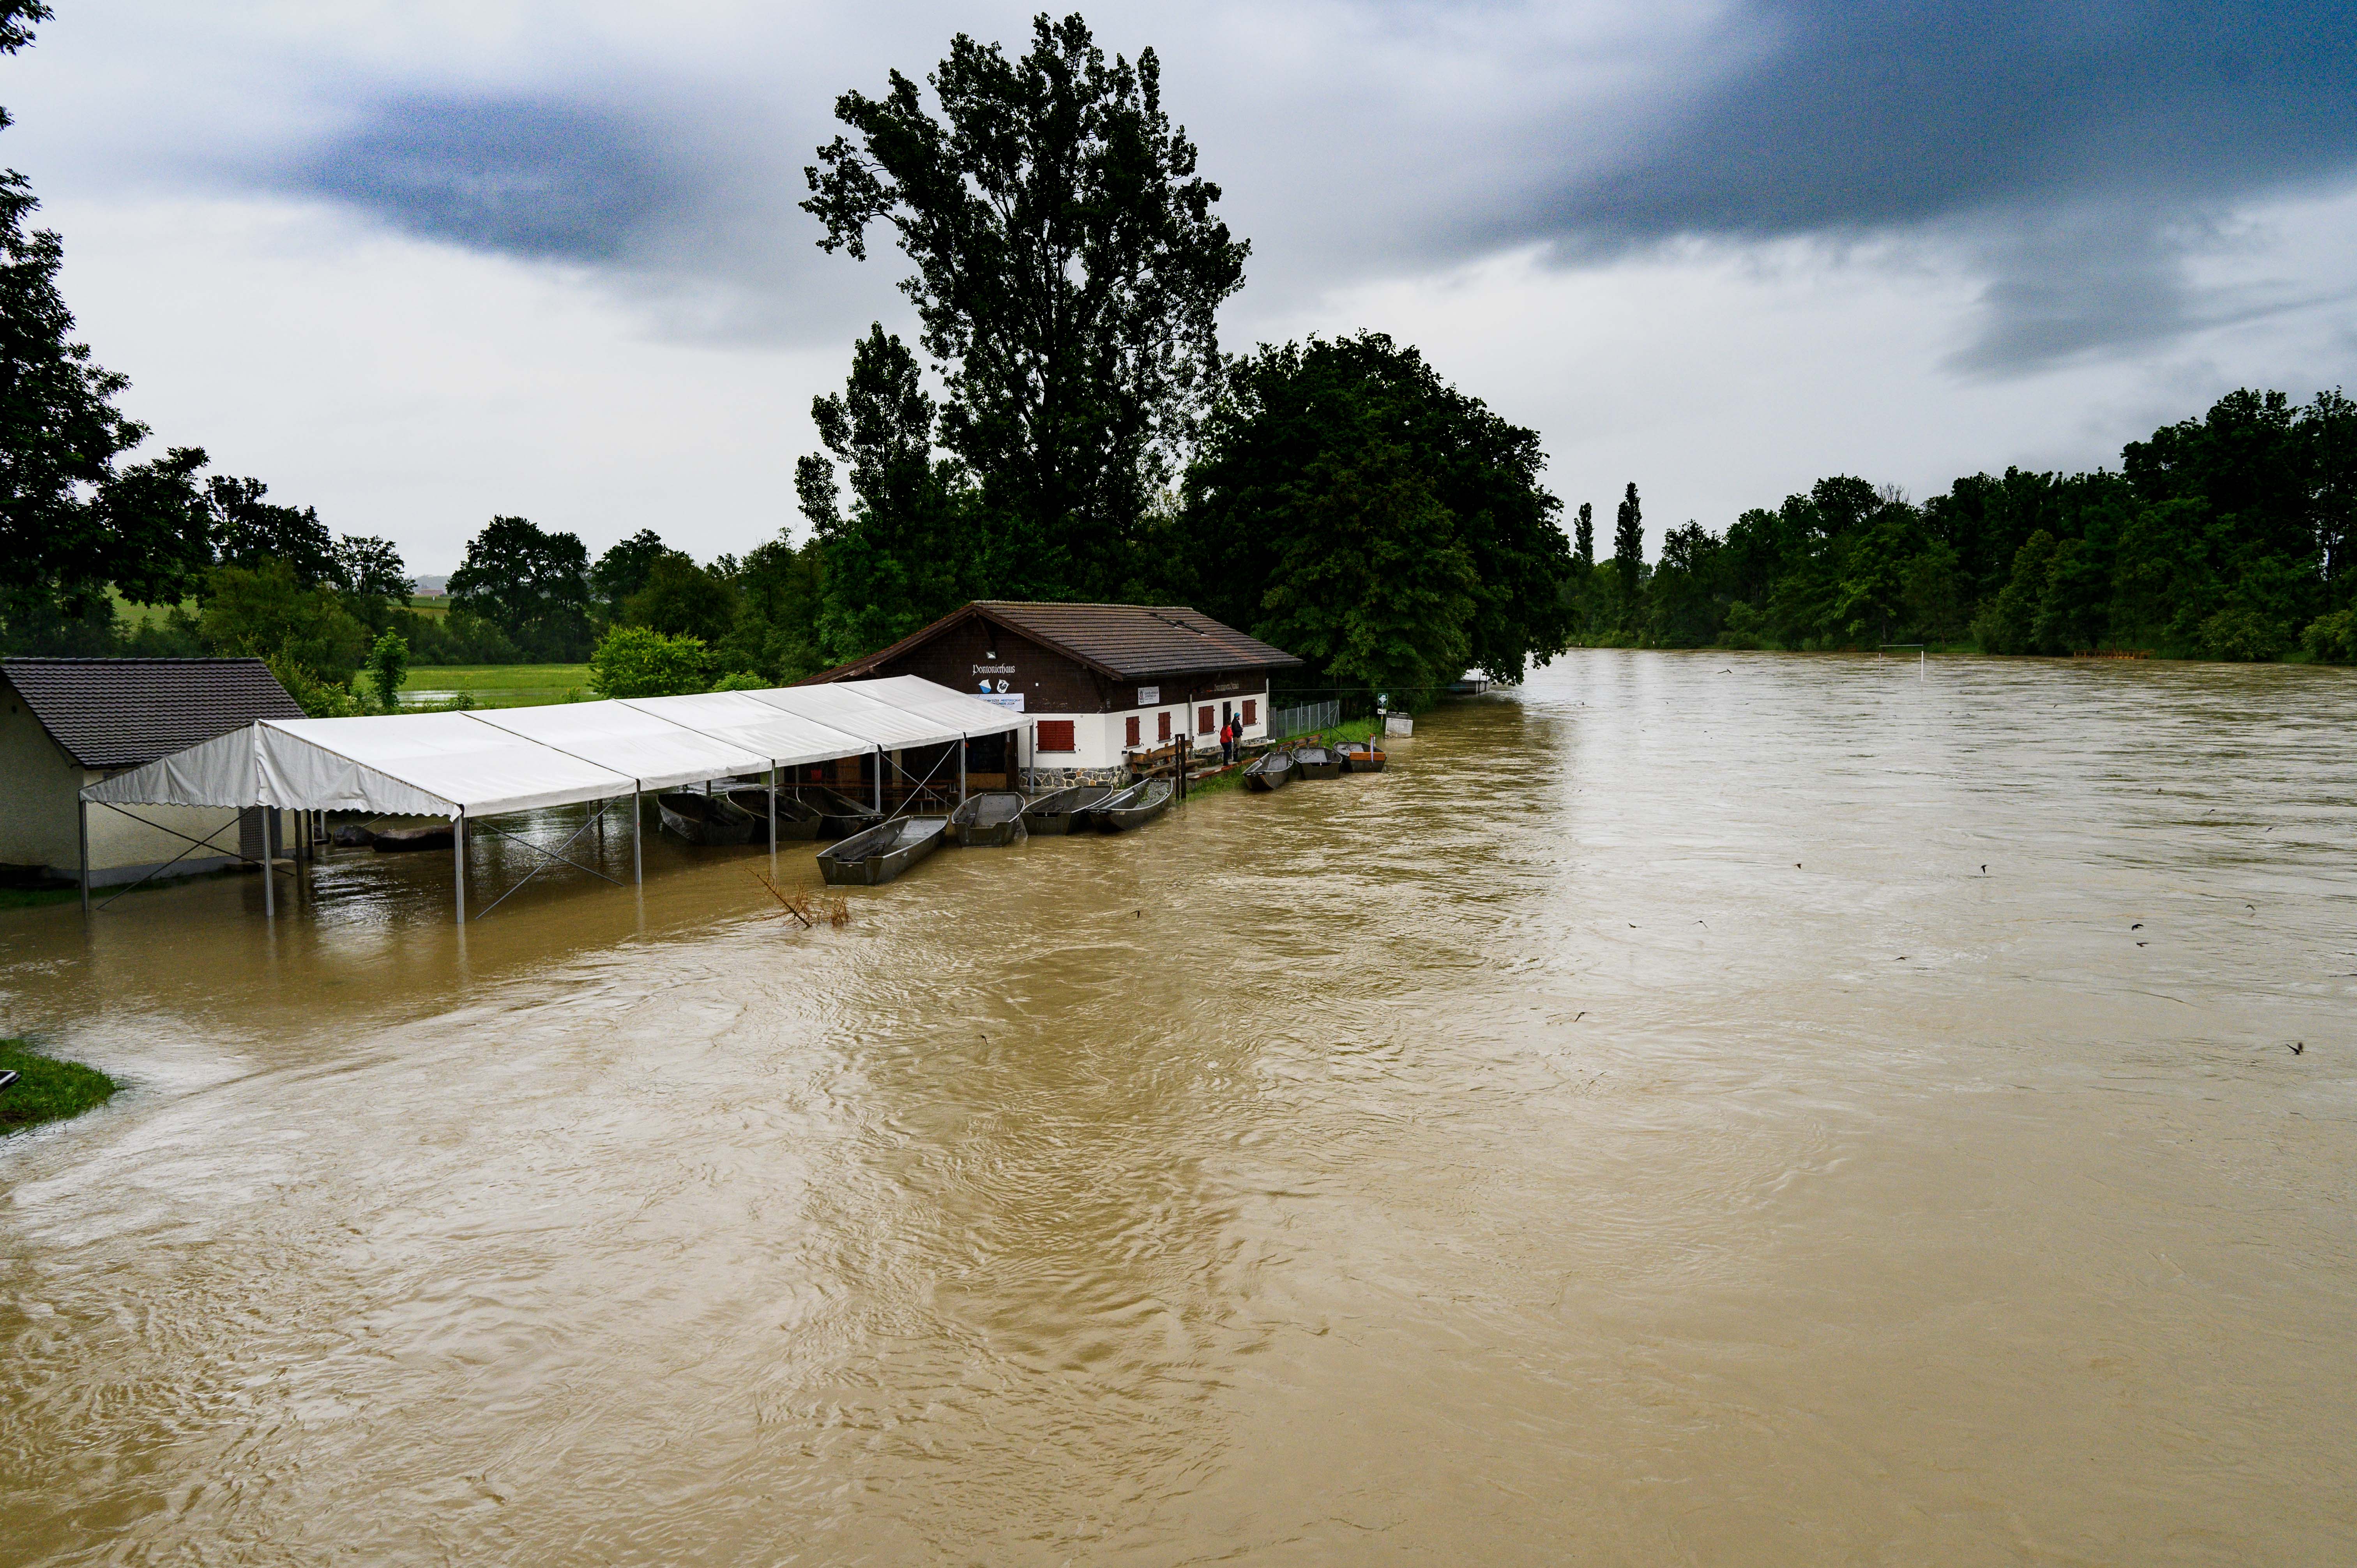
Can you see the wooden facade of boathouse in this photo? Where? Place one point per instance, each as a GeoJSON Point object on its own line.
{"type": "Point", "coordinates": [1094, 682]}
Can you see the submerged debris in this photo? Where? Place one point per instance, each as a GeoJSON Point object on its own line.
{"type": "Point", "coordinates": [805, 908]}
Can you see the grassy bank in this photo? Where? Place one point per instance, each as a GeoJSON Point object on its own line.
{"type": "Point", "coordinates": [49, 1091]}
{"type": "Point", "coordinates": [497, 686]}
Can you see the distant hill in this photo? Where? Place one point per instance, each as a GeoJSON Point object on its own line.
{"type": "Point", "coordinates": [433, 587]}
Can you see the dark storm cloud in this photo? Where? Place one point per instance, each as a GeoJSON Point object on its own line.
{"type": "Point", "coordinates": [2077, 153]}
{"type": "Point", "coordinates": [2076, 148]}
{"type": "Point", "coordinates": [531, 177]}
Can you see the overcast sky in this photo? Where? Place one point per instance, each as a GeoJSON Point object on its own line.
{"type": "Point", "coordinates": [420, 262]}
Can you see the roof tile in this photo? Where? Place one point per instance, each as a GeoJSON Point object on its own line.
{"type": "Point", "coordinates": [124, 712]}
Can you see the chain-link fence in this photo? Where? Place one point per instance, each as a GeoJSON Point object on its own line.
{"type": "Point", "coordinates": [1284, 722]}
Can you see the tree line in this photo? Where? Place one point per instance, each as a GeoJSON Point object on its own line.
{"type": "Point", "coordinates": [1066, 426]}
{"type": "Point", "coordinates": [2230, 536]}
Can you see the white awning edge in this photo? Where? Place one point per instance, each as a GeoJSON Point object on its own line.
{"type": "Point", "coordinates": [219, 772]}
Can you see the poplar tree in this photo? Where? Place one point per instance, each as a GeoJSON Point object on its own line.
{"type": "Point", "coordinates": [1584, 535]}
{"type": "Point", "coordinates": [1629, 547]}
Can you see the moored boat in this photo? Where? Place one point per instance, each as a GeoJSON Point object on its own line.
{"type": "Point", "coordinates": [795, 820]}
{"type": "Point", "coordinates": [397, 841]}
{"type": "Point", "coordinates": [1136, 806]}
{"type": "Point", "coordinates": [706, 820]}
{"type": "Point", "coordinates": [1269, 770]}
{"type": "Point", "coordinates": [872, 858]}
{"type": "Point", "coordinates": [985, 821]}
{"type": "Point", "coordinates": [1360, 758]}
{"type": "Point", "coordinates": [839, 816]}
{"type": "Point", "coordinates": [1316, 762]}
{"type": "Point", "coordinates": [1066, 810]}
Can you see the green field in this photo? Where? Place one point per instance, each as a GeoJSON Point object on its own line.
{"type": "Point", "coordinates": [497, 685]}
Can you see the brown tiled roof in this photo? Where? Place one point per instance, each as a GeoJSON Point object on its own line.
{"type": "Point", "coordinates": [1127, 642]}
{"type": "Point", "coordinates": [122, 712]}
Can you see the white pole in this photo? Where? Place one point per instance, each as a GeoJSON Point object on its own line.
{"type": "Point", "coordinates": [458, 860]}
{"type": "Point", "coordinates": [81, 811]}
{"type": "Point", "coordinates": [773, 810]}
{"type": "Point", "coordinates": [960, 746]}
{"type": "Point", "coordinates": [638, 861]}
{"type": "Point", "coordinates": [879, 780]}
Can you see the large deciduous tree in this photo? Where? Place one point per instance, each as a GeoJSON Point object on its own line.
{"type": "Point", "coordinates": [1069, 269]}
{"type": "Point", "coordinates": [908, 547]}
{"type": "Point", "coordinates": [532, 585]}
{"type": "Point", "coordinates": [1325, 462]}
{"type": "Point", "coordinates": [74, 517]}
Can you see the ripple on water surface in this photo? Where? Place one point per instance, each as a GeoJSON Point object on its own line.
{"type": "Point", "coordinates": [1697, 1107]}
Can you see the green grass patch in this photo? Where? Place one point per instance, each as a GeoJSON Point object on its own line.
{"type": "Point", "coordinates": [501, 686]}
{"type": "Point", "coordinates": [41, 898]}
{"type": "Point", "coordinates": [49, 1091]}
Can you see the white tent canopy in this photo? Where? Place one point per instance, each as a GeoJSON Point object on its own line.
{"type": "Point", "coordinates": [931, 700]}
{"type": "Point", "coordinates": [482, 762]}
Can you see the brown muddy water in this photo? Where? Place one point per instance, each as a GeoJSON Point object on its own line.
{"type": "Point", "coordinates": [1634, 1130]}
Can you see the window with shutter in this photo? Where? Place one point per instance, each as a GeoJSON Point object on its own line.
{"type": "Point", "coordinates": [1133, 731]}
{"type": "Point", "coordinates": [1249, 706]}
{"type": "Point", "coordinates": [1056, 734]}
{"type": "Point", "coordinates": [1204, 721]}
{"type": "Point", "coordinates": [1162, 724]}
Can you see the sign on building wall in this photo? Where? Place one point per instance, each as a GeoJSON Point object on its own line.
{"type": "Point", "coordinates": [1011, 701]}
{"type": "Point", "coordinates": [1148, 695]}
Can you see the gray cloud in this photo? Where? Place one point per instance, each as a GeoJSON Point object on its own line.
{"type": "Point", "coordinates": [527, 176]}
{"type": "Point", "coordinates": [2078, 148]}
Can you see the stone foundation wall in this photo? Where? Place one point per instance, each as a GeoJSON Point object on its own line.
{"type": "Point", "coordinates": [1038, 780]}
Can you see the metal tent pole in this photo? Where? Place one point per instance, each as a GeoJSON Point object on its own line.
{"type": "Point", "coordinates": [81, 812]}
{"type": "Point", "coordinates": [879, 780]}
{"type": "Point", "coordinates": [960, 746]}
{"type": "Point", "coordinates": [269, 870]}
{"type": "Point", "coordinates": [638, 861]}
{"type": "Point", "coordinates": [773, 810]}
{"type": "Point", "coordinates": [458, 860]}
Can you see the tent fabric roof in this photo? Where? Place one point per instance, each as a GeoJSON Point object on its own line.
{"type": "Point", "coordinates": [124, 712]}
{"type": "Point", "coordinates": [847, 708]}
{"type": "Point", "coordinates": [740, 718]}
{"type": "Point", "coordinates": [483, 763]}
{"type": "Point", "coordinates": [931, 700]}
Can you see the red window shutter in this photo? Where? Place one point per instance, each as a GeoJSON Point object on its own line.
{"type": "Point", "coordinates": [1248, 711]}
{"type": "Point", "coordinates": [1056, 734]}
{"type": "Point", "coordinates": [1133, 730]}
{"type": "Point", "coordinates": [1162, 724]}
{"type": "Point", "coordinates": [1202, 721]}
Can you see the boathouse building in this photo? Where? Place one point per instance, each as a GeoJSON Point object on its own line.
{"type": "Point", "coordinates": [1095, 683]}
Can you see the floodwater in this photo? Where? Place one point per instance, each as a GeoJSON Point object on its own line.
{"type": "Point", "coordinates": [1714, 1109]}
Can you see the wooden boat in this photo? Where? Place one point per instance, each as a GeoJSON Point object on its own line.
{"type": "Point", "coordinates": [1269, 770]}
{"type": "Point", "coordinates": [400, 841]}
{"type": "Point", "coordinates": [706, 820]}
{"type": "Point", "coordinates": [1067, 810]}
{"type": "Point", "coordinates": [1358, 758]}
{"type": "Point", "coordinates": [1136, 806]}
{"type": "Point", "coordinates": [985, 821]}
{"type": "Point", "coordinates": [795, 820]}
{"type": "Point", "coordinates": [873, 858]}
{"type": "Point", "coordinates": [1316, 762]}
{"type": "Point", "coordinates": [839, 816]}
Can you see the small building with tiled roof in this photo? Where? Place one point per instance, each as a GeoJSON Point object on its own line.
{"type": "Point", "coordinates": [67, 723]}
{"type": "Point", "coordinates": [1095, 682]}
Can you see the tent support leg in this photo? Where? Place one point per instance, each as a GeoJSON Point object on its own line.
{"type": "Point", "coordinates": [879, 780]}
{"type": "Point", "coordinates": [960, 746]}
{"type": "Point", "coordinates": [638, 861]}
{"type": "Point", "coordinates": [81, 812]}
{"type": "Point", "coordinates": [774, 812]}
{"type": "Point", "coordinates": [269, 864]}
{"type": "Point", "coordinates": [458, 861]}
